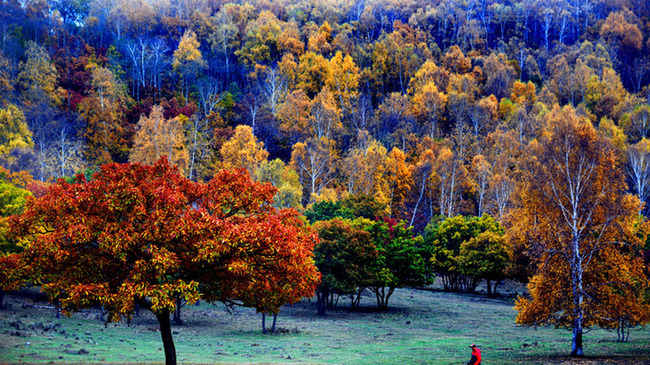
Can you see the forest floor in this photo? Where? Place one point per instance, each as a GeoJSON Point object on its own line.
{"type": "Point", "coordinates": [421, 327]}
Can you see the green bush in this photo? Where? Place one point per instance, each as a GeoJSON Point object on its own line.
{"type": "Point", "coordinates": [399, 263]}
{"type": "Point", "coordinates": [345, 256]}
{"type": "Point", "coordinates": [443, 241]}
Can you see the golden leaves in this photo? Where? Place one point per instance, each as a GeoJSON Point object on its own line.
{"type": "Point", "coordinates": [158, 137]}
{"type": "Point", "coordinates": [243, 150]}
{"type": "Point", "coordinates": [580, 224]}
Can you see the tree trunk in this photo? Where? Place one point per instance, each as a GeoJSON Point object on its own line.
{"type": "Point", "coordinates": [445, 282]}
{"type": "Point", "coordinates": [263, 322]}
{"type": "Point", "coordinates": [321, 302]}
{"type": "Point", "coordinates": [391, 290]}
{"type": "Point", "coordinates": [576, 268]}
{"type": "Point", "coordinates": [356, 299]}
{"type": "Point", "coordinates": [379, 296]}
{"type": "Point", "coordinates": [489, 288]}
{"type": "Point", "coordinates": [2, 299]}
{"type": "Point", "coordinates": [576, 343]}
{"type": "Point", "coordinates": [166, 335]}
{"type": "Point", "coordinates": [415, 209]}
{"type": "Point", "coordinates": [383, 296]}
{"type": "Point", "coordinates": [177, 312]}
{"type": "Point", "coordinates": [275, 318]}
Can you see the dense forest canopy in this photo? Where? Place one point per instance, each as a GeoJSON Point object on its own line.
{"type": "Point", "coordinates": [425, 106]}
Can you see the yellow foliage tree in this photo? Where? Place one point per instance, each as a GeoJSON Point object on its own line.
{"type": "Point", "coordinates": [312, 72]}
{"type": "Point", "coordinates": [321, 40]}
{"type": "Point", "coordinates": [188, 60]}
{"type": "Point", "coordinates": [428, 105]}
{"type": "Point", "coordinates": [261, 44]}
{"type": "Point", "coordinates": [523, 93]}
{"type": "Point", "coordinates": [618, 31]}
{"type": "Point", "coordinates": [399, 176]}
{"type": "Point", "coordinates": [14, 132]}
{"type": "Point", "coordinates": [285, 179]}
{"type": "Point", "coordinates": [293, 113]}
{"type": "Point", "coordinates": [581, 226]}
{"type": "Point", "coordinates": [365, 171]}
{"type": "Point", "coordinates": [325, 116]}
{"type": "Point", "coordinates": [38, 77]}
{"type": "Point", "coordinates": [454, 60]}
{"type": "Point", "coordinates": [105, 86]}
{"type": "Point", "coordinates": [343, 80]}
{"type": "Point", "coordinates": [157, 137]}
{"type": "Point", "coordinates": [603, 94]}
{"type": "Point", "coordinates": [427, 73]}
{"type": "Point", "coordinates": [243, 150]}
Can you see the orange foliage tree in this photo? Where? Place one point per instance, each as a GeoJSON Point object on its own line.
{"type": "Point", "coordinates": [579, 222]}
{"type": "Point", "coordinates": [145, 235]}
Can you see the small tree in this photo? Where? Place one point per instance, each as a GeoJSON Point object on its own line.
{"type": "Point", "coordinates": [353, 206]}
{"type": "Point", "coordinates": [443, 239]}
{"type": "Point", "coordinates": [188, 61]}
{"type": "Point", "coordinates": [285, 179]}
{"type": "Point", "coordinates": [365, 206]}
{"type": "Point", "coordinates": [279, 272]}
{"type": "Point", "coordinates": [145, 235]}
{"type": "Point", "coordinates": [157, 136]}
{"type": "Point", "coordinates": [485, 257]}
{"type": "Point", "coordinates": [14, 131]}
{"type": "Point", "coordinates": [345, 257]}
{"type": "Point", "coordinates": [326, 210]}
{"type": "Point", "coordinates": [399, 263]}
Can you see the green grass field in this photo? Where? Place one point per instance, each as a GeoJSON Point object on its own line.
{"type": "Point", "coordinates": [422, 327]}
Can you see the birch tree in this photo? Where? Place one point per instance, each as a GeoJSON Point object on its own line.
{"type": "Point", "coordinates": [580, 223]}
{"type": "Point", "coordinates": [157, 136]}
{"type": "Point", "coordinates": [638, 168]}
{"type": "Point", "coordinates": [482, 172]}
{"type": "Point", "coordinates": [314, 162]}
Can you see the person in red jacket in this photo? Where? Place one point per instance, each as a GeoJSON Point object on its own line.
{"type": "Point", "coordinates": [476, 356]}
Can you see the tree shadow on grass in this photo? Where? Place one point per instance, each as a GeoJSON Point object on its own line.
{"type": "Point", "coordinates": [506, 299]}
{"type": "Point", "coordinates": [343, 311]}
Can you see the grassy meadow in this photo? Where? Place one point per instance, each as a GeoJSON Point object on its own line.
{"type": "Point", "coordinates": [421, 327]}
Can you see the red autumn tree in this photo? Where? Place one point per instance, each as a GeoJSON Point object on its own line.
{"type": "Point", "coordinates": [282, 269]}
{"type": "Point", "coordinates": [145, 235]}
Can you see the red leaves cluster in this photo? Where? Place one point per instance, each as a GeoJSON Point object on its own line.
{"type": "Point", "coordinates": [147, 235]}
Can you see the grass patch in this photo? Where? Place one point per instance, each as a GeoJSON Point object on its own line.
{"type": "Point", "coordinates": [421, 327]}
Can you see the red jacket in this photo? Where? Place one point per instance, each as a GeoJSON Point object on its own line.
{"type": "Point", "coordinates": [476, 356]}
